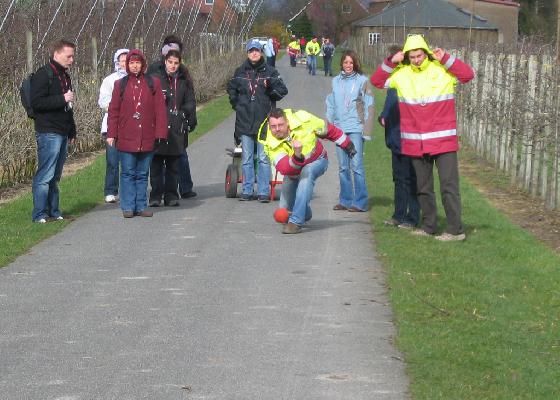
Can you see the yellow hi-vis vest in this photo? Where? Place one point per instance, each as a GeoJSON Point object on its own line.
{"type": "Point", "coordinates": [304, 127]}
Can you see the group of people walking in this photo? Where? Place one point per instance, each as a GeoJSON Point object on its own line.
{"type": "Point", "coordinates": [311, 50]}
{"type": "Point", "coordinates": [149, 113]}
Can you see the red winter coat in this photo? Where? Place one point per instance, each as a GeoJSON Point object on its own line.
{"type": "Point", "coordinates": [137, 135]}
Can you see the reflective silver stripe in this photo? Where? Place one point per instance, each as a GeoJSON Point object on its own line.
{"type": "Point", "coordinates": [312, 154]}
{"type": "Point", "coordinates": [427, 100]}
{"type": "Point", "coordinates": [279, 157]}
{"type": "Point", "coordinates": [429, 135]}
{"type": "Point", "coordinates": [386, 68]}
{"type": "Point", "coordinates": [450, 62]}
{"type": "Point", "coordinates": [294, 165]}
{"type": "Point", "coordinates": [341, 139]}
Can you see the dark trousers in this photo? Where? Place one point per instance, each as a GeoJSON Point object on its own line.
{"type": "Point", "coordinates": [185, 179]}
{"type": "Point", "coordinates": [407, 208]}
{"type": "Point", "coordinates": [293, 61]}
{"type": "Point", "coordinates": [271, 61]}
{"type": "Point", "coordinates": [164, 176]}
{"type": "Point", "coordinates": [327, 62]}
{"type": "Point", "coordinates": [448, 171]}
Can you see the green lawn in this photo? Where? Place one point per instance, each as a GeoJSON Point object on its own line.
{"type": "Point", "coordinates": [78, 194]}
{"type": "Point", "coordinates": [478, 319]}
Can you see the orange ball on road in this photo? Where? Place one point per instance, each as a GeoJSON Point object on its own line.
{"type": "Point", "coordinates": [281, 215]}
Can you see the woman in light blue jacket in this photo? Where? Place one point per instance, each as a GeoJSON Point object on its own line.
{"type": "Point", "coordinates": [350, 108]}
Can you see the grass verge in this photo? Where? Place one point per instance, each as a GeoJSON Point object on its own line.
{"type": "Point", "coordinates": [475, 320]}
{"type": "Point", "coordinates": [78, 194]}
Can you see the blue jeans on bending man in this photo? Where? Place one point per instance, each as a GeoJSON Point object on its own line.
{"type": "Point", "coordinates": [52, 150]}
{"type": "Point", "coordinates": [297, 192]}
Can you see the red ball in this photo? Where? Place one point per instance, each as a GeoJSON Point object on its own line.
{"type": "Point", "coordinates": [281, 215]}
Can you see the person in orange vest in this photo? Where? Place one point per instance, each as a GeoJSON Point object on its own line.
{"type": "Point", "coordinates": [425, 81]}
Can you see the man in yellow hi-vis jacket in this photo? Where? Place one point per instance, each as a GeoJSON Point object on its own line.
{"type": "Point", "coordinates": [312, 49]}
{"type": "Point", "coordinates": [290, 140]}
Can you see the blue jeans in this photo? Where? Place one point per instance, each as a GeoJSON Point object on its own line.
{"type": "Point", "coordinates": [407, 208]}
{"type": "Point", "coordinates": [52, 149]}
{"type": "Point", "coordinates": [185, 179]}
{"type": "Point", "coordinates": [353, 190]}
{"type": "Point", "coordinates": [298, 191]}
{"type": "Point", "coordinates": [135, 168]}
{"type": "Point", "coordinates": [248, 167]}
{"type": "Point", "coordinates": [111, 170]}
{"type": "Point", "coordinates": [312, 64]}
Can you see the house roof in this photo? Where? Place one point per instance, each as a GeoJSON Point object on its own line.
{"type": "Point", "coordinates": [426, 13]}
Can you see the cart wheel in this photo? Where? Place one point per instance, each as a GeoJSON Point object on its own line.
{"type": "Point", "coordinates": [232, 176]}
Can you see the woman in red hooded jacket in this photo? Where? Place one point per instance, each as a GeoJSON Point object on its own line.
{"type": "Point", "coordinates": [137, 123]}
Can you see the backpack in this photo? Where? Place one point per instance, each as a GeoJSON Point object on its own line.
{"type": "Point", "coordinates": [124, 81]}
{"type": "Point", "coordinates": [25, 92]}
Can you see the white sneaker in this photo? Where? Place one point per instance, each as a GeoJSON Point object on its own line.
{"type": "Point", "coordinates": [111, 198]}
{"type": "Point", "coordinates": [448, 237]}
{"type": "Point", "coordinates": [420, 232]}
{"type": "Point", "coordinates": [59, 218]}
{"type": "Point", "coordinates": [41, 221]}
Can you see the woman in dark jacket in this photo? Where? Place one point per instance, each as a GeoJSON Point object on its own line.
{"type": "Point", "coordinates": [253, 91]}
{"type": "Point", "coordinates": [177, 87]}
{"type": "Point", "coordinates": [137, 119]}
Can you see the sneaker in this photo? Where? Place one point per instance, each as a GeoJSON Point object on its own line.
{"type": "Point", "coordinates": [172, 203]}
{"type": "Point", "coordinates": [420, 232]}
{"type": "Point", "coordinates": [405, 225]}
{"type": "Point", "coordinates": [291, 228]}
{"type": "Point", "coordinates": [245, 197]}
{"type": "Point", "coordinates": [187, 195]}
{"type": "Point", "coordinates": [59, 218]}
{"type": "Point", "coordinates": [264, 199]}
{"type": "Point", "coordinates": [449, 237]}
{"type": "Point", "coordinates": [145, 213]}
{"type": "Point", "coordinates": [339, 207]}
{"type": "Point", "coordinates": [154, 203]}
{"type": "Point", "coordinates": [41, 221]}
{"type": "Point", "coordinates": [111, 198]}
{"type": "Point", "coordinates": [356, 209]}
{"type": "Point", "coordinates": [127, 214]}
{"type": "Point", "coordinates": [391, 222]}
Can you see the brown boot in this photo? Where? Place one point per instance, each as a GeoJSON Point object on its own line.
{"type": "Point", "coordinates": [291, 228]}
{"type": "Point", "coordinates": [127, 214]}
{"type": "Point", "coordinates": [145, 213]}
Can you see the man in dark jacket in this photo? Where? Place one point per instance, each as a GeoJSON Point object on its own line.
{"type": "Point", "coordinates": [253, 92]}
{"type": "Point", "coordinates": [51, 99]}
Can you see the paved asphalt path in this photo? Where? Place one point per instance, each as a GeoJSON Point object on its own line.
{"type": "Point", "coordinates": [205, 301]}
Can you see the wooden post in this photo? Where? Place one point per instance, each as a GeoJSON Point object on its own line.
{"type": "Point", "coordinates": [29, 49]}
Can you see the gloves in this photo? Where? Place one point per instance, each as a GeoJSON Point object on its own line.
{"type": "Point", "coordinates": [350, 149]}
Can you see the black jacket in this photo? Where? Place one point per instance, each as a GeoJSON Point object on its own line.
{"type": "Point", "coordinates": [392, 118]}
{"type": "Point", "coordinates": [52, 114]}
{"type": "Point", "coordinates": [253, 91]}
{"type": "Point", "coordinates": [178, 94]}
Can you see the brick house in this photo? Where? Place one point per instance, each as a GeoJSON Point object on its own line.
{"type": "Point", "coordinates": [442, 23]}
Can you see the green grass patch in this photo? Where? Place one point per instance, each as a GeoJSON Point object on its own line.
{"type": "Point", "coordinates": [78, 194]}
{"type": "Point", "coordinates": [478, 319]}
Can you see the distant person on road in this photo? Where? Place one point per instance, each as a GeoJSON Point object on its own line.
{"type": "Point", "coordinates": [270, 53]}
{"type": "Point", "coordinates": [350, 107]}
{"type": "Point", "coordinates": [425, 81]}
{"type": "Point", "coordinates": [173, 42]}
{"type": "Point", "coordinates": [253, 90]}
{"type": "Point", "coordinates": [406, 208]}
{"type": "Point", "coordinates": [302, 44]}
{"type": "Point", "coordinates": [290, 139]}
{"type": "Point", "coordinates": [312, 49]}
{"type": "Point", "coordinates": [111, 190]}
{"type": "Point", "coordinates": [328, 52]}
{"type": "Point", "coordinates": [293, 51]}
{"type": "Point", "coordinates": [178, 90]}
{"type": "Point", "coordinates": [52, 98]}
{"type": "Point", "coordinates": [137, 123]}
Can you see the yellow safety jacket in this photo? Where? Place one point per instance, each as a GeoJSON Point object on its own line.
{"type": "Point", "coordinates": [312, 48]}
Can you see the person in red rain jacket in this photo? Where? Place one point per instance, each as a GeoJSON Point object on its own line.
{"type": "Point", "coordinates": [137, 123]}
